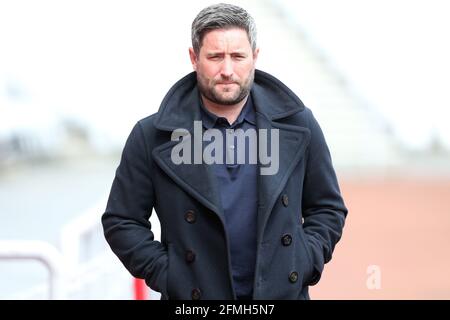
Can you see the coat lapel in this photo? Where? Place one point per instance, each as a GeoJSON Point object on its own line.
{"type": "Point", "coordinates": [179, 109]}
{"type": "Point", "coordinates": [293, 141]}
{"type": "Point", "coordinates": [198, 180]}
{"type": "Point", "coordinates": [275, 104]}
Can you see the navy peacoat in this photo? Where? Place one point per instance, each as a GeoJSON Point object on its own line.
{"type": "Point", "coordinates": [300, 217]}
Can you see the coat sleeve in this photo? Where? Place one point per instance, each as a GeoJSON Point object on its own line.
{"type": "Point", "coordinates": [324, 211]}
{"type": "Point", "coordinates": [126, 222]}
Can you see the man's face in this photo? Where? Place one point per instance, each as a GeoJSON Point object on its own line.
{"type": "Point", "coordinates": [225, 66]}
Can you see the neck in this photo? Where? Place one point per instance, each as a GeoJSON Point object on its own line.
{"type": "Point", "coordinates": [230, 112]}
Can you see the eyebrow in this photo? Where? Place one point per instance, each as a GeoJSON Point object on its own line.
{"type": "Point", "coordinates": [220, 53]}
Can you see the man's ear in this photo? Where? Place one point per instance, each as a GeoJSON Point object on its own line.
{"type": "Point", "coordinates": [193, 58]}
{"type": "Point", "coordinates": [255, 55]}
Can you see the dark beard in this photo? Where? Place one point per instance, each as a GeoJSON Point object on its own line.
{"type": "Point", "coordinates": [212, 95]}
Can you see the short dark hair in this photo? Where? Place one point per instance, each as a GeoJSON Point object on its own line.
{"type": "Point", "coordinates": [222, 16]}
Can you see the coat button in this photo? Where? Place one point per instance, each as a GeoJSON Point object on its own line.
{"type": "Point", "coordinates": [286, 240]}
{"type": "Point", "coordinates": [196, 294]}
{"type": "Point", "coordinates": [190, 216]}
{"type": "Point", "coordinates": [190, 256]}
{"type": "Point", "coordinates": [285, 200]}
{"type": "Point", "coordinates": [293, 277]}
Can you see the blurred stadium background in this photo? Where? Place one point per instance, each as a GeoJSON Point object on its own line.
{"type": "Point", "coordinates": [75, 76]}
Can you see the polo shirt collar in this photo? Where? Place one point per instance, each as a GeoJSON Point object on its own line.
{"type": "Point", "coordinates": [210, 120]}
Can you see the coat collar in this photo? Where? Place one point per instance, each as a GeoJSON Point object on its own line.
{"type": "Point", "coordinates": [273, 101]}
{"type": "Point", "coordinates": [181, 105]}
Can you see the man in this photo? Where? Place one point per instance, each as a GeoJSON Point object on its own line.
{"type": "Point", "coordinates": [230, 228]}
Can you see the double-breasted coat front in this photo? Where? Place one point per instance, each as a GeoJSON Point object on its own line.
{"type": "Point", "coordinates": [300, 214]}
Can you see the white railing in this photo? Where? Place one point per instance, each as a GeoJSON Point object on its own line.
{"type": "Point", "coordinates": [85, 268]}
{"type": "Point", "coordinates": [43, 253]}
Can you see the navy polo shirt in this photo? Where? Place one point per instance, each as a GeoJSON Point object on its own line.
{"type": "Point", "coordinates": [238, 189]}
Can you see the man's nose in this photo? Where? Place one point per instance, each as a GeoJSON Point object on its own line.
{"type": "Point", "coordinates": [227, 68]}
